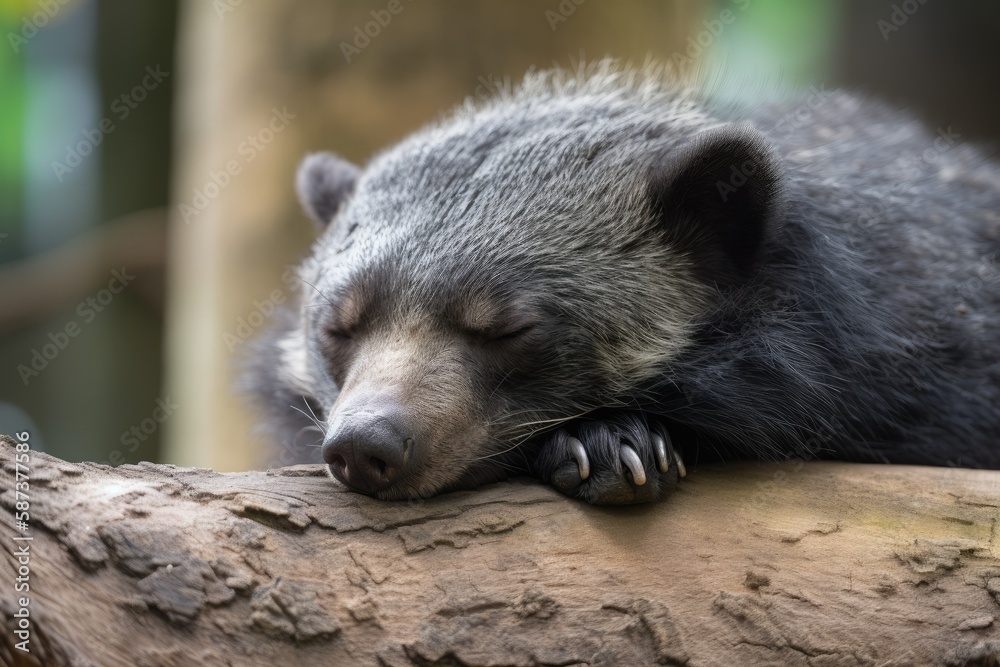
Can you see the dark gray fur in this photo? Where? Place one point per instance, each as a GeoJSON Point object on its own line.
{"type": "Point", "coordinates": [843, 302]}
{"type": "Point", "coordinates": [324, 183]}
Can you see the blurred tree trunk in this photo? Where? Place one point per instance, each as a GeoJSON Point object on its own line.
{"type": "Point", "coordinates": [307, 67]}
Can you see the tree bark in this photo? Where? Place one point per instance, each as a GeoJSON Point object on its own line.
{"type": "Point", "coordinates": [815, 564]}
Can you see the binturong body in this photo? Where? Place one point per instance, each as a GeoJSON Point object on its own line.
{"type": "Point", "coordinates": [593, 279]}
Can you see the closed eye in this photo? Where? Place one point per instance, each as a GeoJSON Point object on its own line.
{"type": "Point", "coordinates": [512, 333]}
{"type": "Point", "coordinates": [337, 334]}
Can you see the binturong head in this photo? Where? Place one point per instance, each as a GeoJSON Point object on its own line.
{"type": "Point", "coordinates": [515, 267]}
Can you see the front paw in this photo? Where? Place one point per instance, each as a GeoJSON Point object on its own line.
{"type": "Point", "coordinates": [623, 460]}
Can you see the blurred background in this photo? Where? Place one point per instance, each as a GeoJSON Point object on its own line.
{"type": "Point", "coordinates": [148, 148]}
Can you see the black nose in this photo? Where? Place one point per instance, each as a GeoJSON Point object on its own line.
{"type": "Point", "coordinates": [367, 452]}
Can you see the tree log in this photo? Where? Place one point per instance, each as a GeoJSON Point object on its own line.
{"type": "Point", "coordinates": [813, 563]}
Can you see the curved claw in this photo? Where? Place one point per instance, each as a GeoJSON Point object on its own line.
{"type": "Point", "coordinates": [631, 459]}
{"type": "Point", "coordinates": [660, 449]}
{"type": "Point", "coordinates": [681, 470]}
{"type": "Point", "coordinates": [665, 451]}
{"type": "Point", "coordinates": [580, 454]}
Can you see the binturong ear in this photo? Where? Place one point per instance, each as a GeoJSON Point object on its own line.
{"type": "Point", "coordinates": [720, 200]}
{"type": "Point", "coordinates": [324, 182]}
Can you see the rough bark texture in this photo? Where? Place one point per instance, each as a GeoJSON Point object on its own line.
{"type": "Point", "coordinates": [803, 564]}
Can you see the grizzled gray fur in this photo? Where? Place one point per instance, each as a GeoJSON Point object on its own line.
{"type": "Point", "coordinates": [594, 279]}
